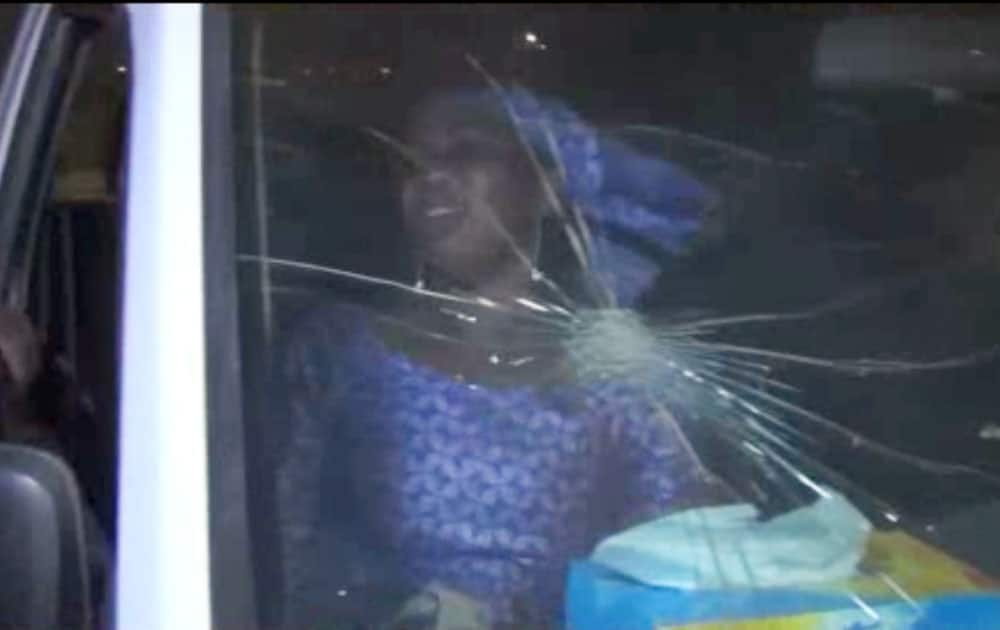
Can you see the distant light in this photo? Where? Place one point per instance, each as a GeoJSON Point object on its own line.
{"type": "Point", "coordinates": [308, 72]}
{"type": "Point", "coordinates": [977, 52]}
{"type": "Point", "coordinates": [944, 94]}
{"type": "Point", "coordinates": [533, 41]}
{"type": "Point", "coordinates": [121, 69]}
{"type": "Point", "coordinates": [990, 431]}
{"type": "Point", "coordinates": [385, 71]}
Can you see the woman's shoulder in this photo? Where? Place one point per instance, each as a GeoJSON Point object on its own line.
{"type": "Point", "coordinates": [328, 321]}
{"type": "Point", "coordinates": [608, 395]}
{"type": "Point", "coordinates": [628, 410]}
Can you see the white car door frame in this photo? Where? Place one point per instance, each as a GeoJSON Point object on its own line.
{"type": "Point", "coordinates": [163, 550]}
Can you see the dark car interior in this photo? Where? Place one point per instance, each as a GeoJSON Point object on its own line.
{"type": "Point", "coordinates": [60, 337]}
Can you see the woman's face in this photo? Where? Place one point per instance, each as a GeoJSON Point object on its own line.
{"type": "Point", "coordinates": [473, 208]}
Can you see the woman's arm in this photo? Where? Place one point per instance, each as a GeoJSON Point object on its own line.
{"type": "Point", "coordinates": [309, 381]}
{"type": "Point", "coordinates": [662, 473]}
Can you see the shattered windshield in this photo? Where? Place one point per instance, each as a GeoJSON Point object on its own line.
{"type": "Point", "coordinates": [611, 318]}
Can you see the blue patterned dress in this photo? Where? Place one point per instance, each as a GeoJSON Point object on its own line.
{"type": "Point", "coordinates": [398, 473]}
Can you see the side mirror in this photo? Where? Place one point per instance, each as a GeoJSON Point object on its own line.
{"type": "Point", "coordinates": [44, 583]}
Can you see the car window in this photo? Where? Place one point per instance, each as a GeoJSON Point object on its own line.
{"type": "Point", "coordinates": [90, 147]}
{"type": "Point", "coordinates": [617, 317]}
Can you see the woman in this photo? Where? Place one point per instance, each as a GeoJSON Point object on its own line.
{"type": "Point", "coordinates": [446, 444]}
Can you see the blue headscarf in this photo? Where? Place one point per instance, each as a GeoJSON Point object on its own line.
{"type": "Point", "coordinates": [638, 208]}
